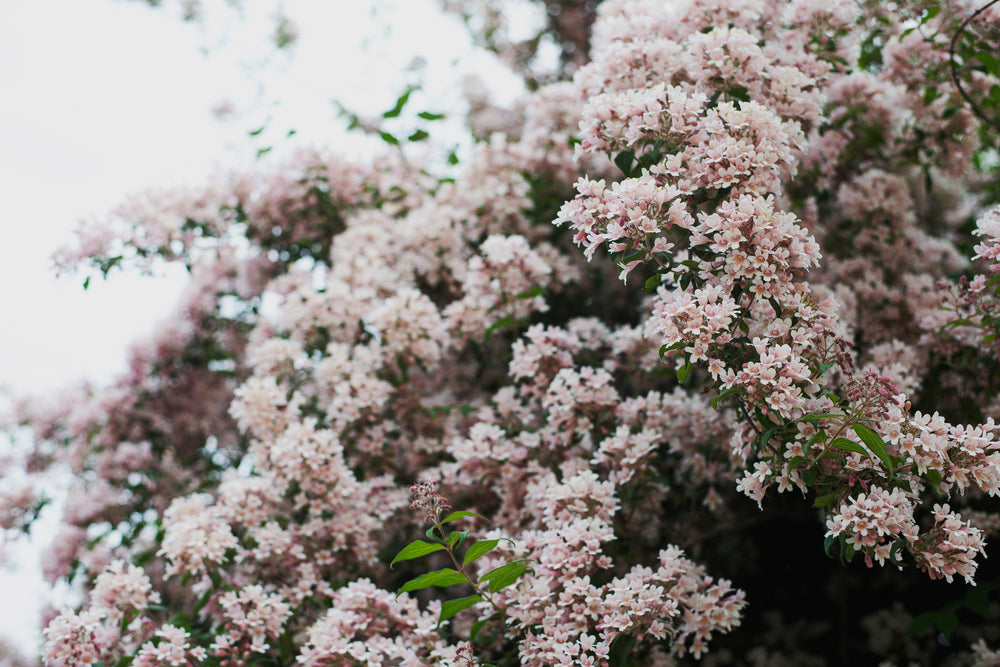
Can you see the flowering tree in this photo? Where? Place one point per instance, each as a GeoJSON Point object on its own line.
{"type": "Point", "coordinates": [720, 263]}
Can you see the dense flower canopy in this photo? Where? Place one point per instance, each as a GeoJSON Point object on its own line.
{"type": "Point", "coordinates": [723, 295]}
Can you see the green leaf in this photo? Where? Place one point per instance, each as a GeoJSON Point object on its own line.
{"type": "Point", "coordinates": [203, 600]}
{"type": "Point", "coordinates": [652, 282]}
{"type": "Point", "coordinates": [819, 436]}
{"type": "Point", "coordinates": [933, 478]}
{"type": "Point", "coordinates": [478, 549]}
{"type": "Point", "coordinates": [874, 442]}
{"type": "Point", "coordinates": [457, 538]}
{"type": "Point", "coordinates": [922, 622]}
{"type": "Point", "coordinates": [832, 396]}
{"type": "Point", "coordinates": [990, 62]}
{"type": "Point", "coordinates": [505, 575]}
{"type": "Point", "coordinates": [415, 549]}
{"type": "Point", "coordinates": [683, 372]}
{"type": "Point", "coordinates": [827, 543]}
{"type": "Point", "coordinates": [388, 138]}
{"type": "Point", "coordinates": [532, 292]}
{"type": "Point", "coordinates": [452, 607]}
{"type": "Point", "coordinates": [461, 514]}
{"type": "Point", "coordinates": [427, 115]}
{"type": "Point", "coordinates": [897, 483]}
{"type": "Point", "coordinates": [847, 552]}
{"type": "Point", "coordinates": [400, 103]}
{"type": "Point", "coordinates": [670, 348]}
{"type": "Point", "coordinates": [895, 551]}
{"type": "Point", "coordinates": [442, 578]}
{"type": "Point", "coordinates": [823, 501]}
{"type": "Point", "coordinates": [418, 135]}
{"type": "Point", "coordinates": [499, 324]}
{"type": "Point", "coordinates": [478, 625]}
{"type": "Point", "coordinates": [977, 600]}
{"type": "Point", "coordinates": [765, 439]}
{"type": "Point", "coordinates": [946, 622]}
{"type": "Point", "coordinates": [624, 161]}
{"type": "Point", "coordinates": [723, 395]}
{"type": "Point", "coordinates": [846, 445]}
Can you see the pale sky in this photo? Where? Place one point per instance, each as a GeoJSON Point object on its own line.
{"type": "Point", "coordinates": [101, 98]}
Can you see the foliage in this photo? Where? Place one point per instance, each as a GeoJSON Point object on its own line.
{"type": "Point", "coordinates": [788, 194]}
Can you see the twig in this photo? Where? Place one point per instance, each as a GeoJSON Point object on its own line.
{"type": "Point", "coordinates": [954, 67]}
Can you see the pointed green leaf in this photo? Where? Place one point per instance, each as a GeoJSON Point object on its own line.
{"type": "Point", "coordinates": [895, 553]}
{"type": "Point", "coordinates": [461, 514]}
{"type": "Point", "coordinates": [827, 543]}
{"type": "Point", "coordinates": [427, 115]}
{"type": "Point", "coordinates": [452, 607]}
{"type": "Point", "coordinates": [933, 478]}
{"type": "Point", "coordinates": [442, 578]}
{"type": "Point", "coordinates": [478, 625]}
{"type": "Point", "coordinates": [946, 622]}
{"type": "Point", "coordinates": [457, 538]}
{"type": "Point", "coordinates": [683, 372]}
{"type": "Point", "coordinates": [875, 444]}
{"type": "Point", "coordinates": [820, 415]}
{"type": "Point", "coordinates": [400, 103]}
{"type": "Point", "coordinates": [624, 161]}
{"type": "Point", "coordinates": [846, 445]}
{"type": "Point", "coordinates": [532, 292]}
{"type": "Point", "coordinates": [819, 436]}
{"type": "Point", "coordinates": [388, 138]}
{"type": "Point", "coordinates": [670, 348]}
{"type": "Point", "coordinates": [823, 501]}
{"type": "Point", "coordinates": [415, 549]}
{"type": "Point", "coordinates": [505, 575]}
{"type": "Point", "coordinates": [478, 549]}
{"type": "Point", "coordinates": [922, 622]}
{"type": "Point", "coordinates": [823, 368]}
{"type": "Point", "coordinates": [723, 395]}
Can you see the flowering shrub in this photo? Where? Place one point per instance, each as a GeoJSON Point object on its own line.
{"type": "Point", "coordinates": [720, 262]}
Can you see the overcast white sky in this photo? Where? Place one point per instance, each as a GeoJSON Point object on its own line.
{"type": "Point", "coordinates": [101, 98]}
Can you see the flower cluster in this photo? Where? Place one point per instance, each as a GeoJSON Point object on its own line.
{"type": "Point", "coordinates": [359, 338]}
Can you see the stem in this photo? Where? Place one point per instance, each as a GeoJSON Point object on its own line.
{"type": "Point", "coordinates": [461, 570]}
{"type": "Point", "coordinates": [954, 66]}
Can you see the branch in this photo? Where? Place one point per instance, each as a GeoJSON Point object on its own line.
{"type": "Point", "coordinates": [954, 67]}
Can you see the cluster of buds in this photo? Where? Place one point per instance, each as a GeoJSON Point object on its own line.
{"type": "Point", "coordinates": [427, 500]}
